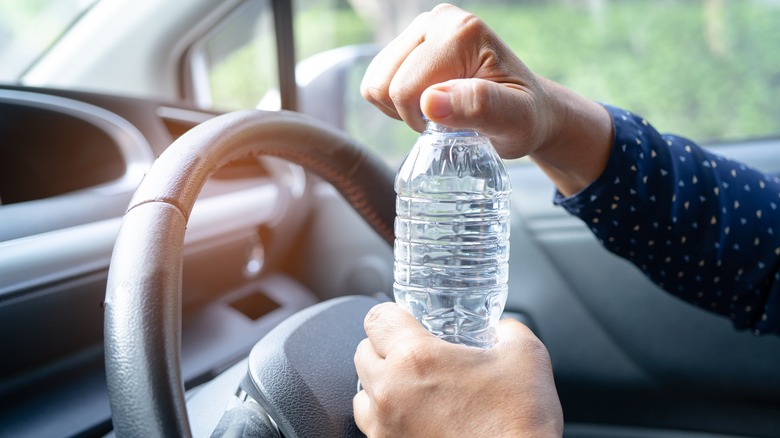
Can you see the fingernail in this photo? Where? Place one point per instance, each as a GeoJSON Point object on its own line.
{"type": "Point", "coordinates": [439, 104]}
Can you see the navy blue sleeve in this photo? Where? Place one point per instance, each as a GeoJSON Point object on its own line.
{"type": "Point", "coordinates": [703, 227]}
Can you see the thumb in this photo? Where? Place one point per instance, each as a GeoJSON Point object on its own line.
{"type": "Point", "coordinates": [503, 113]}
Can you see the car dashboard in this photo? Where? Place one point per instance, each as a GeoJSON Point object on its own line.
{"type": "Point", "coordinates": [69, 165]}
{"type": "Point", "coordinates": [267, 238]}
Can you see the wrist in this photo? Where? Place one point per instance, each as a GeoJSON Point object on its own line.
{"type": "Point", "coordinates": [578, 143]}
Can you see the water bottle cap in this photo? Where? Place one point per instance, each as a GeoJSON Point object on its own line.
{"type": "Point", "coordinates": [431, 126]}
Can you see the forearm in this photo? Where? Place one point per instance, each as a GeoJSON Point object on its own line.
{"type": "Point", "coordinates": [703, 227]}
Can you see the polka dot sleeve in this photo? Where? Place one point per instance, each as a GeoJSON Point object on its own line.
{"type": "Point", "coordinates": [701, 226]}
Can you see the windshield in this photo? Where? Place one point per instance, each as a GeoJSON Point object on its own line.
{"type": "Point", "coordinates": [29, 28]}
{"type": "Point", "coordinates": [705, 69]}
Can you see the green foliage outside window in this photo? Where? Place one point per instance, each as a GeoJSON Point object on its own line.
{"type": "Point", "coordinates": [705, 69]}
{"type": "Point", "coordinates": [708, 70]}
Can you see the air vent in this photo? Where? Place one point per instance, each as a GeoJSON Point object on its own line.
{"type": "Point", "coordinates": [44, 153]}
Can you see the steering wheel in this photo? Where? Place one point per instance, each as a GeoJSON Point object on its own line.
{"type": "Point", "coordinates": [143, 299]}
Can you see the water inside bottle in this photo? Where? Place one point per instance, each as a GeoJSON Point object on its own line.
{"type": "Point", "coordinates": [451, 258]}
{"type": "Point", "coordinates": [452, 237]}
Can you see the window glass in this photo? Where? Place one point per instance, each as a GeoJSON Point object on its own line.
{"type": "Point", "coordinates": [321, 25]}
{"type": "Point", "coordinates": [706, 69]}
{"type": "Point", "coordinates": [236, 63]}
{"type": "Point", "coordinates": [390, 138]}
{"type": "Point", "coordinates": [29, 28]}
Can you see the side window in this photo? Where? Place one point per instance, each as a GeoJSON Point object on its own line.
{"type": "Point", "coordinates": [706, 69]}
{"type": "Point", "coordinates": [324, 25]}
{"type": "Point", "coordinates": [234, 66]}
{"type": "Point", "coordinates": [388, 137]}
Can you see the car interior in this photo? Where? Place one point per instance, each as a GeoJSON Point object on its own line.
{"type": "Point", "coordinates": [247, 286]}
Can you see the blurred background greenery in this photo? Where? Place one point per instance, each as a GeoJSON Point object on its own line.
{"type": "Point", "coordinates": [705, 69]}
{"type": "Point", "coordinates": [708, 70]}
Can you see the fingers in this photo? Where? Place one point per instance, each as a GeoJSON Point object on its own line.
{"type": "Point", "coordinates": [388, 327]}
{"type": "Point", "coordinates": [440, 45]}
{"type": "Point", "coordinates": [376, 82]}
{"type": "Point", "coordinates": [449, 65]}
{"type": "Point", "coordinates": [361, 409]}
{"type": "Point", "coordinates": [450, 50]}
{"type": "Point", "coordinates": [367, 363]}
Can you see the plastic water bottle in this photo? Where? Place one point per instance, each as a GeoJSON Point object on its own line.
{"type": "Point", "coordinates": [452, 235]}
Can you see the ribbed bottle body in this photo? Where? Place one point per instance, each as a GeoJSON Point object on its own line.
{"type": "Point", "coordinates": [452, 235]}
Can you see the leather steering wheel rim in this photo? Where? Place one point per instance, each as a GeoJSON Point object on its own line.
{"type": "Point", "coordinates": [142, 327]}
